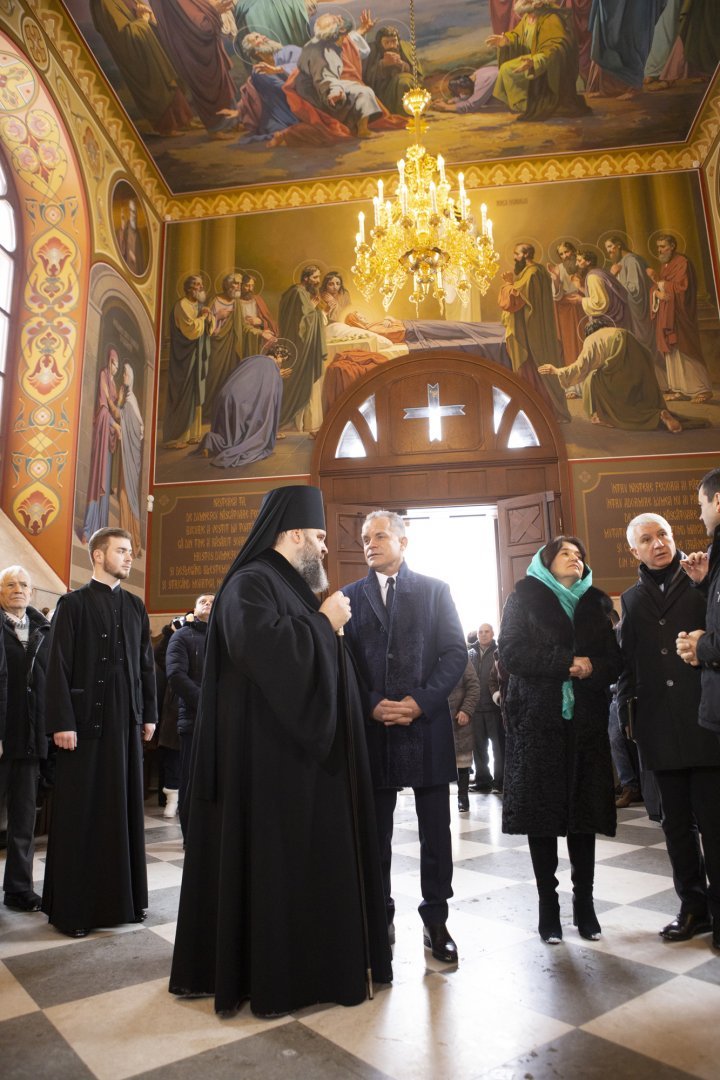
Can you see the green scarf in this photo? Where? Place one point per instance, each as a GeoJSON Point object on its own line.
{"type": "Point", "coordinates": [568, 601]}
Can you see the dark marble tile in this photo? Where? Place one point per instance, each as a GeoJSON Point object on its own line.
{"type": "Point", "coordinates": [93, 965]}
{"type": "Point", "coordinates": [290, 1052]}
{"type": "Point", "coordinates": [572, 984]}
{"type": "Point", "coordinates": [508, 863]}
{"type": "Point", "coordinates": [646, 861]}
{"type": "Point", "coordinates": [161, 834]}
{"type": "Point", "coordinates": [32, 1047]}
{"type": "Point", "coordinates": [581, 1056]}
{"type": "Point", "coordinates": [637, 835]}
{"type": "Point", "coordinates": [162, 905]}
{"type": "Point", "coordinates": [666, 902]}
{"type": "Point", "coordinates": [710, 971]}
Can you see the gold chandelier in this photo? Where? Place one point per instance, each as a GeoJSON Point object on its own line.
{"type": "Point", "coordinates": [423, 233]}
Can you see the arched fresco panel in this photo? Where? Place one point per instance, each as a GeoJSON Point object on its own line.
{"type": "Point", "coordinates": [113, 450]}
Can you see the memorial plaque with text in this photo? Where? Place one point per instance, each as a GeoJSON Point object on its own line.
{"type": "Point", "coordinates": [195, 537]}
{"type": "Point", "coordinates": [608, 494]}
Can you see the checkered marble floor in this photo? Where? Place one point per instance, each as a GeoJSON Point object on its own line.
{"type": "Point", "coordinates": [629, 1005]}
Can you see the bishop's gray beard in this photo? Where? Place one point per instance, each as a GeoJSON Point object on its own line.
{"type": "Point", "coordinates": [312, 571]}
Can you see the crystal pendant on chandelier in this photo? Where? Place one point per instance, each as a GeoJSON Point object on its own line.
{"type": "Point", "coordinates": [423, 234]}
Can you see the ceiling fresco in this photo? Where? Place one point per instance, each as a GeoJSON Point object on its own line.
{"type": "Point", "coordinates": [317, 94]}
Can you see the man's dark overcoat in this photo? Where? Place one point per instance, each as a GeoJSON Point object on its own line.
{"type": "Point", "coordinates": [665, 689]}
{"type": "Point", "coordinates": [24, 735]}
{"type": "Point", "coordinates": [708, 647]}
{"type": "Point", "coordinates": [270, 906]}
{"type": "Point", "coordinates": [558, 772]}
{"type": "Point", "coordinates": [420, 652]}
{"type": "Point", "coordinates": [96, 873]}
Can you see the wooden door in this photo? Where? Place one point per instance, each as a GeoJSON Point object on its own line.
{"type": "Point", "coordinates": [524, 525]}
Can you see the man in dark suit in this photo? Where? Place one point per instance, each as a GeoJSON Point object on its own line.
{"type": "Point", "coordinates": [100, 703]}
{"type": "Point", "coordinates": [410, 649]}
{"type": "Point", "coordinates": [24, 636]}
{"type": "Point", "coordinates": [665, 693]}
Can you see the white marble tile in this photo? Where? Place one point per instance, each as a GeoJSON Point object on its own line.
{"type": "Point", "coordinates": [620, 886]}
{"type": "Point", "coordinates": [163, 875]}
{"type": "Point", "coordinates": [166, 850]}
{"type": "Point", "coordinates": [434, 1028]}
{"type": "Point", "coordinates": [676, 1023]}
{"type": "Point", "coordinates": [461, 849]}
{"type": "Point", "coordinates": [166, 931]}
{"type": "Point", "coordinates": [632, 934]}
{"type": "Point", "coordinates": [144, 1027]}
{"type": "Point", "coordinates": [14, 1001]}
{"type": "Point", "coordinates": [610, 849]}
{"type": "Point", "coordinates": [465, 883]}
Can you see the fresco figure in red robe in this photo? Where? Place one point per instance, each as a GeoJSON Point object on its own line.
{"type": "Point", "coordinates": [105, 438]}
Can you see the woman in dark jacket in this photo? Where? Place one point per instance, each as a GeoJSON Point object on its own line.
{"type": "Point", "coordinates": [559, 649]}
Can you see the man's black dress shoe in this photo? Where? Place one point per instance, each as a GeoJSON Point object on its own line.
{"type": "Point", "coordinates": [29, 901]}
{"type": "Point", "coordinates": [437, 939]}
{"type": "Point", "coordinates": [140, 916]}
{"type": "Point", "coordinates": [686, 926]}
{"type": "Point", "coordinates": [72, 933]}
{"type": "Point", "coordinates": [481, 789]}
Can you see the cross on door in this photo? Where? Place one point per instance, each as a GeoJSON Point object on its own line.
{"type": "Point", "coordinates": [434, 412]}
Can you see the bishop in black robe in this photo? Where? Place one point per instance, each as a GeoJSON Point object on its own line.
{"type": "Point", "coordinates": [281, 900]}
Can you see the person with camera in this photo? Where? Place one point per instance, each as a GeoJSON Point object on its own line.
{"type": "Point", "coordinates": [184, 667]}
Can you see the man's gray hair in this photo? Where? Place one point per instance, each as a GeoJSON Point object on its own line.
{"type": "Point", "coordinates": [395, 522]}
{"type": "Point", "coordinates": [646, 519]}
{"type": "Point", "coordinates": [327, 28]}
{"type": "Point", "coordinates": [13, 571]}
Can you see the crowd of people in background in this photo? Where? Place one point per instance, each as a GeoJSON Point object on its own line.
{"type": "Point", "coordinates": [377, 691]}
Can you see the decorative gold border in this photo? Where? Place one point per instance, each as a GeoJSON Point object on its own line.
{"type": "Point", "coordinates": [78, 61]}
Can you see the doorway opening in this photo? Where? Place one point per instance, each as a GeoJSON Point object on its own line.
{"type": "Point", "coordinates": [458, 544]}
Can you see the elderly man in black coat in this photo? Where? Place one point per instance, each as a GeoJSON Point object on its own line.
{"type": "Point", "coordinates": [661, 695]}
{"type": "Point", "coordinates": [410, 648]}
{"type": "Point", "coordinates": [24, 742]}
{"type": "Point", "coordinates": [100, 704]}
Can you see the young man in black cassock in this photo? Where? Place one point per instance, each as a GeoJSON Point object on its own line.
{"type": "Point", "coordinates": [281, 900]}
{"type": "Point", "coordinates": [100, 705]}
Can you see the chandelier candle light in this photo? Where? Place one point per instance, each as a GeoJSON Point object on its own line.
{"type": "Point", "coordinates": [423, 233]}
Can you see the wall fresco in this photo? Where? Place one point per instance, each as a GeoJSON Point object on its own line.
{"type": "Point", "coordinates": [216, 110]}
{"type": "Point", "coordinates": [615, 228]}
{"type": "Point", "coordinates": [113, 454]}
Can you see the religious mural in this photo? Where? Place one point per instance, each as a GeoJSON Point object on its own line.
{"type": "Point", "coordinates": [603, 303]}
{"type": "Point", "coordinates": [259, 91]}
{"type": "Point", "coordinates": [116, 409]}
{"type": "Point", "coordinates": [130, 228]}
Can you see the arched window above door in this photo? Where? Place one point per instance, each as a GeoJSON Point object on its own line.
{"type": "Point", "coordinates": [511, 425]}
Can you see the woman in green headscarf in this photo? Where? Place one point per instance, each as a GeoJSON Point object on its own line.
{"type": "Point", "coordinates": [559, 649]}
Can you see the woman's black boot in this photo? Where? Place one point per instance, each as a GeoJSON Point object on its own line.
{"type": "Point", "coordinates": [581, 849]}
{"type": "Point", "coordinates": [543, 852]}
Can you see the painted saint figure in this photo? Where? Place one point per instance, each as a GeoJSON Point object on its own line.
{"type": "Point", "coordinates": [105, 435]}
{"type": "Point", "coordinates": [303, 321]}
{"type": "Point", "coordinates": [539, 64]}
{"type": "Point", "coordinates": [674, 311]}
{"type": "Point", "coordinates": [191, 324]}
{"type": "Point", "coordinates": [126, 27]}
{"type": "Point", "coordinates": [132, 434]}
{"type": "Point", "coordinates": [246, 413]}
{"type": "Point", "coordinates": [526, 302]}
{"type": "Point", "coordinates": [620, 388]}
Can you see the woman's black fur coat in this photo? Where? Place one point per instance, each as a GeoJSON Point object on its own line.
{"type": "Point", "coordinates": [558, 773]}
